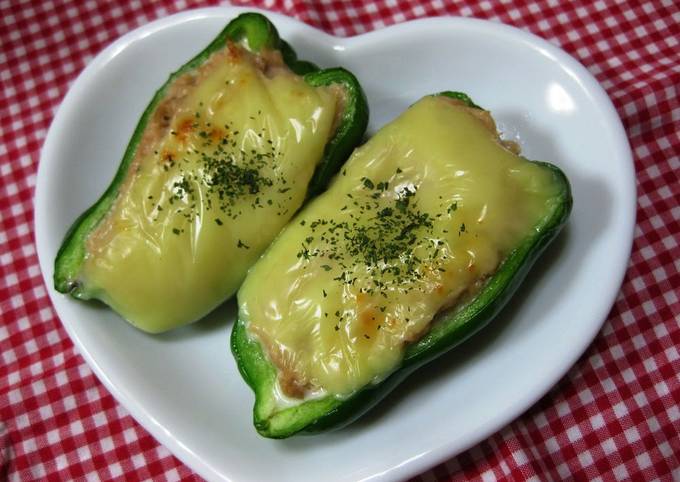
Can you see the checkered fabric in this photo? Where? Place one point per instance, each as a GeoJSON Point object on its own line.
{"type": "Point", "coordinates": [614, 416]}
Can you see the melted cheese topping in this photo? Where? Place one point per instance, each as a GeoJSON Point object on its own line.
{"type": "Point", "coordinates": [421, 215]}
{"type": "Point", "coordinates": [222, 166]}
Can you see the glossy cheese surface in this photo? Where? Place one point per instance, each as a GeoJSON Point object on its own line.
{"type": "Point", "coordinates": [420, 216]}
{"type": "Point", "coordinates": [222, 166]}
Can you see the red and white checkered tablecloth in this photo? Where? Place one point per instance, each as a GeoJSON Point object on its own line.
{"type": "Point", "coordinates": [614, 416]}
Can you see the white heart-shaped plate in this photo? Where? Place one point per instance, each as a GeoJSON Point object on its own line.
{"type": "Point", "coordinates": [184, 386]}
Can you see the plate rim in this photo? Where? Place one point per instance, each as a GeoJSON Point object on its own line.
{"type": "Point", "coordinates": [437, 454]}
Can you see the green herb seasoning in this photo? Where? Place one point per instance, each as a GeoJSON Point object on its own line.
{"type": "Point", "coordinates": [225, 174]}
{"type": "Point", "coordinates": [384, 233]}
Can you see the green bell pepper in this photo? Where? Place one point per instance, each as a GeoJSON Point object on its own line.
{"type": "Point", "coordinates": [254, 33]}
{"type": "Point", "coordinates": [449, 329]}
